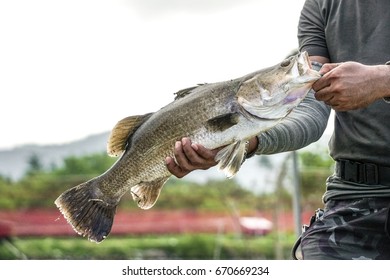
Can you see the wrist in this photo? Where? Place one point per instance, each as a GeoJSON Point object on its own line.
{"type": "Point", "coordinates": [252, 147]}
{"type": "Point", "coordinates": [387, 97]}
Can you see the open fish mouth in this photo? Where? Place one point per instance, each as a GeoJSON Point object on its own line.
{"type": "Point", "coordinates": [306, 76]}
{"type": "Point", "coordinates": [304, 59]}
{"type": "Point", "coordinates": [305, 68]}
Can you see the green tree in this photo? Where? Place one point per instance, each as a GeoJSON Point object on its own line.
{"type": "Point", "coordinates": [35, 165]}
{"type": "Point", "coordinates": [90, 165]}
{"type": "Point", "coordinates": [40, 187]}
{"type": "Point", "coordinates": [315, 169]}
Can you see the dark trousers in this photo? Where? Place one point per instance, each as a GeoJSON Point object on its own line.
{"type": "Point", "coordinates": [351, 230]}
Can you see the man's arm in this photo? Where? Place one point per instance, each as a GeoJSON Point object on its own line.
{"type": "Point", "coordinates": [351, 85]}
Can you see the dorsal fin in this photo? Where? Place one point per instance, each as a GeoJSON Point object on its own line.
{"type": "Point", "coordinates": [117, 140]}
{"type": "Point", "coordinates": [186, 91]}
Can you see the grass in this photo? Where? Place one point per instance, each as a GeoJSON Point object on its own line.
{"type": "Point", "coordinates": [184, 246]}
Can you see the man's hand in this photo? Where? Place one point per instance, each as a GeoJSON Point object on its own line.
{"type": "Point", "coordinates": [351, 85]}
{"type": "Point", "coordinates": [190, 157]}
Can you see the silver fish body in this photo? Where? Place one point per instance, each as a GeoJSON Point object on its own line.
{"type": "Point", "coordinates": [224, 114]}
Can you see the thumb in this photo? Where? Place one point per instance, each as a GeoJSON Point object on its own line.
{"type": "Point", "coordinates": [328, 67]}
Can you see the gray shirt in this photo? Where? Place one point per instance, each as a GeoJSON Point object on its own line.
{"type": "Point", "coordinates": [349, 30]}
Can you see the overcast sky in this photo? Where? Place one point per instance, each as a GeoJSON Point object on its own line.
{"type": "Point", "coordinates": [73, 68]}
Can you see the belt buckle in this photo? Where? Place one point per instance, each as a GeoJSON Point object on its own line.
{"type": "Point", "coordinates": [351, 170]}
{"type": "Point", "coordinates": [357, 172]}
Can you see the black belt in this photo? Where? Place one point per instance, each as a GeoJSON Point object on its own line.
{"type": "Point", "coordinates": [363, 173]}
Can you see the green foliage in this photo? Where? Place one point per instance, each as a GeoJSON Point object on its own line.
{"type": "Point", "coordinates": [183, 246]}
{"type": "Point", "coordinates": [34, 165]}
{"type": "Point", "coordinates": [213, 195]}
{"type": "Point", "coordinates": [39, 188]}
{"type": "Point", "coordinates": [316, 160]}
{"type": "Point", "coordinates": [92, 165]}
{"type": "Point", "coordinates": [315, 169]}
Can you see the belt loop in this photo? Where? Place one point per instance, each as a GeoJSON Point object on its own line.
{"type": "Point", "coordinates": [361, 173]}
{"type": "Point", "coordinates": [341, 168]}
{"type": "Point", "coordinates": [371, 174]}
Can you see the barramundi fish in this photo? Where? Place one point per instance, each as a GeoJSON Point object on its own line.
{"type": "Point", "coordinates": [217, 115]}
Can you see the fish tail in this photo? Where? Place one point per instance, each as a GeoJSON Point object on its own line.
{"type": "Point", "coordinates": [86, 212]}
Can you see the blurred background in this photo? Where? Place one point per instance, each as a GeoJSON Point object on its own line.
{"type": "Point", "coordinates": [71, 69]}
{"type": "Point", "coordinates": [210, 218]}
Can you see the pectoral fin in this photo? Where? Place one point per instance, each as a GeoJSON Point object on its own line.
{"type": "Point", "coordinates": [117, 140]}
{"type": "Point", "coordinates": [231, 158]}
{"type": "Point", "coordinates": [147, 193]}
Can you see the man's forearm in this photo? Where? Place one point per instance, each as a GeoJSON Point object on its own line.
{"type": "Point", "coordinates": [304, 125]}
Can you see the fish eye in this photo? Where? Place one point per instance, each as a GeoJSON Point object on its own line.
{"type": "Point", "coordinates": [285, 62]}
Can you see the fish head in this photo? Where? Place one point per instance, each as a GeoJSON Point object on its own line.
{"type": "Point", "coordinates": [273, 92]}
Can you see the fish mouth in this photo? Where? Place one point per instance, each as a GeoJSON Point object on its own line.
{"type": "Point", "coordinates": [306, 76]}
{"type": "Point", "coordinates": [306, 73]}
{"type": "Point", "coordinates": [303, 57]}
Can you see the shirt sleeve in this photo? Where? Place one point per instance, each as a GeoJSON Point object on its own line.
{"type": "Point", "coordinates": [303, 126]}
{"type": "Point", "coordinates": [307, 122]}
{"type": "Point", "coordinates": [311, 29]}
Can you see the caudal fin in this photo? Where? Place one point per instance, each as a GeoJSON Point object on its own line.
{"type": "Point", "coordinates": [88, 214]}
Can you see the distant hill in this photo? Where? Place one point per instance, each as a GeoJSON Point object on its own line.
{"type": "Point", "coordinates": [257, 174]}
{"type": "Point", "coordinates": [14, 162]}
